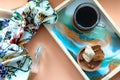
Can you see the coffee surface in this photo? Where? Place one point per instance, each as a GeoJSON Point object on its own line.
{"type": "Point", "coordinates": [86, 16]}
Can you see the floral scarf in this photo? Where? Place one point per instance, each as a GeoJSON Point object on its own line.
{"type": "Point", "coordinates": [18, 30]}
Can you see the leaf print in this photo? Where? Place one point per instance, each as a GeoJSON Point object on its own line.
{"type": "Point", "coordinates": [37, 4]}
{"type": "Point", "coordinates": [4, 23]}
{"type": "Point", "coordinates": [47, 8]}
{"type": "Point", "coordinates": [17, 16]}
{"type": "Point", "coordinates": [8, 35]}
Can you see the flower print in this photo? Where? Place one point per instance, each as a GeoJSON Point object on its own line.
{"type": "Point", "coordinates": [41, 16]}
{"type": "Point", "coordinates": [3, 71]}
{"type": "Point", "coordinates": [5, 22]}
{"type": "Point", "coordinates": [16, 39]}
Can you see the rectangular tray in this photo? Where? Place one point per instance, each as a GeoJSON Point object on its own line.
{"type": "Point", "coordinates": [71, 48]}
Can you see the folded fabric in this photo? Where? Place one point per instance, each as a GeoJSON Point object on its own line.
{"type": "Point", "coordinates": [25, 22]}
{"type": "Point", "coordinates": [18, 30]}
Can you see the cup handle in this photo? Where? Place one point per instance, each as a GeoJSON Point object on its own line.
{"type": "Point", "coordinates": [4, 13]}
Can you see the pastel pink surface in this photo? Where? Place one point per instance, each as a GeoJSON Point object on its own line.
{"type": "Point", "coordinates": [54, 64]}
{"type": "Point", "coordinates": [113, 9]}
{"type": "Point", "coordinates": [11, 4]}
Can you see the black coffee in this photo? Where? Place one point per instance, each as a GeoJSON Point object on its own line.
{"type": "Point", "coordinates": [86, 16]}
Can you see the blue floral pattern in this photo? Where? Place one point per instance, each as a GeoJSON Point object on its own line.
{"type": "Point", "coordinates": [3, 71]}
